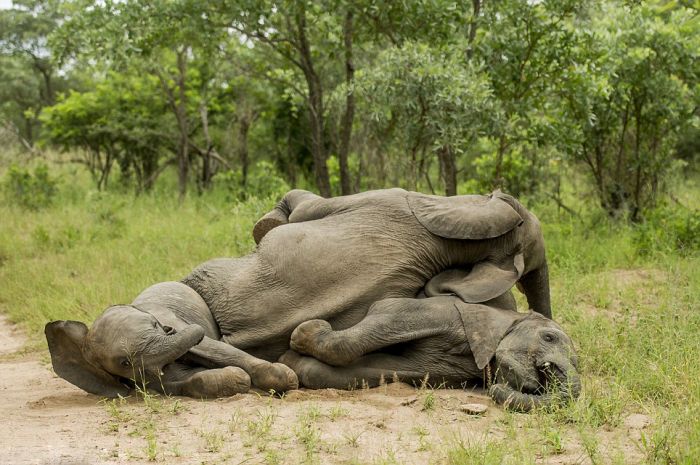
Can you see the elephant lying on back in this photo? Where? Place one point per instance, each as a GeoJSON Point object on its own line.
{"type": "Point", "coordinates": [317, 258]}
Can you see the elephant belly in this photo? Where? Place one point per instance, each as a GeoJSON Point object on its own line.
{"type": "Point", "coordinates": [307, 271]}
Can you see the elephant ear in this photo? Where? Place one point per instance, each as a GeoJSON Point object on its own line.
{"type": "Point", "coordinates": [485, 327]}
{"type": "Point", "coordinates": [66, 340]}
{"type": "Point", "coordinates": [464, 216]}
{"type": "Point", "coordinates": [485, 281]}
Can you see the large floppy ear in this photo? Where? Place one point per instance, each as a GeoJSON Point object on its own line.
{"type": "Point", "coordinates": [485, 327]}
{"type": "Point", "coordinates": [66, 340]}
{"type": "Point", "coordinates": [464, 216]}
{"type": "Point", "coordinates": [485, 281]}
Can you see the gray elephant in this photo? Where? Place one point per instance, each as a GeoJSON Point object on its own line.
{"type": "Point", "coordinates": [317, 258]}
{"type": "Point", "coordinates": [526, 358]}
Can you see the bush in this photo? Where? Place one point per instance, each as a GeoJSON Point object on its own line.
{"type": "Point", "coordinates": [263, 181]}
{"type": "Point", "coordinates": [669, 230]}
{"type": "Point", "coordinates": [32, 191]}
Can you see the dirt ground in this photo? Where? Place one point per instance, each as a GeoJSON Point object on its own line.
{"type": "Point", "coordinates": [45, 420]}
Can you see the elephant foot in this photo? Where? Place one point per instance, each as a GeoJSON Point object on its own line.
{"type": "Point", "coordinates": [275, 377]}
{"type": "Point", "coordinates": [313, 338]}
{"type": "Point", "coordinates": [218, 382]}
{"type": "Point", "coordinates": [267, 223]}
{"type": "Point", "coordinates": [307, 338]}
{"type": "Point", "coordinates": [311, 372]}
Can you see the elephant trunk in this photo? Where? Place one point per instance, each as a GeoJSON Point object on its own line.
{"type": "Point", "coordinates": [535, 286]}
{"type": "Point", "coordinates": [560, 386]}
{"type": "Point", "coordinates": [164, 349]}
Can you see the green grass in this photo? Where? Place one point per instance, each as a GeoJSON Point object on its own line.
{"type": "Point", "coordinates": [632, 311]}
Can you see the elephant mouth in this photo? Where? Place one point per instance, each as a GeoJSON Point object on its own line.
{"type": "Point", "coordinates": [554, 386]}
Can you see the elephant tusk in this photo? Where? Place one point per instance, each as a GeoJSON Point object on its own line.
{"type": "Point", "coordinates": [547, 364]}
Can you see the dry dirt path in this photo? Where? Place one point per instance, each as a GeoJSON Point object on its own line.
{"type": "Point", "coordinates": [45, 420]}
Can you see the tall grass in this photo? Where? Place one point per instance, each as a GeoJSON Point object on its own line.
{"type": "Point", "coordinates": [626, 294]}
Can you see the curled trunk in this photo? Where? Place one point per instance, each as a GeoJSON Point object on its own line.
{"type": "Point", "coordinates": [165, 349]}
{"type": "Point", "coordinates": [564, 388]}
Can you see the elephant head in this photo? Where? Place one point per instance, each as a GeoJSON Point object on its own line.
{"type": "Point", "coordinates": [535, 366]}
{"type": "Point", "coordinates": [531, 359]}
{"type": "Point", "coordinates": [124, 346]}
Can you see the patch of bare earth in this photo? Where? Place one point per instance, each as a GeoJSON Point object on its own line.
{"type": "Point", "coordinates": [45, 420]}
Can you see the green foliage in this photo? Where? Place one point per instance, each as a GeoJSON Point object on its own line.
{"type": "Point", "coordinates": [632, 88]}
{"type": "Point", "coordinates": [669, 230]}
{"type": "Point", "coordinates": [30, 190]}
{"type": "Point", "coordinates": [426, 95]}
{"type": "Point", "coordinates": [121, 121]}
{"type": "Point", "coordinates": [263, 182]}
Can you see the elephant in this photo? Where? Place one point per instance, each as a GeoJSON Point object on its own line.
{"type": "Point", "coordinates": [527, 359]}
{"type": "Point", "coordinates": [316, 258]}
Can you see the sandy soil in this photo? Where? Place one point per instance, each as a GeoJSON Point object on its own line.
{"type": "Point", "coordinates": [45, 420]}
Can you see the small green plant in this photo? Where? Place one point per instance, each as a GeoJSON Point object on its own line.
{"type": "Point", "coordinates": [309, 437]}
{"type": "Point", "coordinates": [337, 412]}
{"type": "Point", "coordinates": [422, 434]}
{"type": "Point", "coordinates": [353, 438]}
{"type": "Point", "coordinates": [429, 401]}
{"type": "Point", "coordinates": [213, 440]}
{"type": "Point", "coordinates": [658, 446]}
{"type": "Point", "coordinates": [32, 191]}
{"type": "Point", "coordinates": [553, 441]}
{"type": "Point", "coordinates": [151, 445]}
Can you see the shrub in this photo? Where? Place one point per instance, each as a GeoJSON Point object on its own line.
{"type": "Point", "coordinates": [263, 181]}
{"type": "Point", "coordinates": [669, 230]}
{"type": "Point", "coordinates": [30, 190]}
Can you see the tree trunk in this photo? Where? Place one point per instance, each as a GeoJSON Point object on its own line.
{"type": "Point", "coordinates": [498, 174]}
{"type": "Point", "coordinates": [243, 146]}
{"type": "Point", "coordinates": [315, 98]}
{"type": "Point", "coordinates": [181, 114]}
{"type": "Point", "coordinates": [448, 169]}
{"type": "Point", "coordinates": [348, 116]}
{"type": "Point", "coordinates": [207, 173]}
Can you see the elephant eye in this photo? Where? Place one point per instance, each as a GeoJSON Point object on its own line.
{"type": "Point", "coordinates": [126, 363]}
{"type": "Point", "coordinates": [549, 337]}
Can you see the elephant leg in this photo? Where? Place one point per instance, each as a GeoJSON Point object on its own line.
{"type": "Point", "coordinates": [263, 374]}
{"type": "Point", "coordinates": [280, 214]}
{"type": "Point", "coordinates": [183, 380]}
{"type": "Point", "coordinates": [388, 322]}
{"type": "Point", "coordinates": [371, 370]}
{"type": "Point", "coordinates": [535, 286]}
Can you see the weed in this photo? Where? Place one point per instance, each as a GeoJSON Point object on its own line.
{"type": "Point", "coordinates": [337, 412]}
{"type": "Point", "coordinates": [353, 438]}
{"type": "Point", "coordinates": [213, 440]}
{"type": "Point", "coordinates": [422, 434]}
{"type": "Point", "coordinates": [151, 445]}
{"type": "Point", "coordinates": [429, 401]}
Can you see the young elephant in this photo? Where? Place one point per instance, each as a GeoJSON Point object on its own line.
{"type": "Point", "coordinates": [317, 258]}
{"type": "Point", "coordinates": [531, 359]}
{"type": "Point", "coordinates": [166, 339]}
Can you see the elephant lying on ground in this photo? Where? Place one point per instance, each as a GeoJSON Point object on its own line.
{"type": "Point", "coordinates": [450, 341]}
{"type": "Point", "coordinates": [530, 359]}
{"type": "Point", "coordinates": [317, 258]}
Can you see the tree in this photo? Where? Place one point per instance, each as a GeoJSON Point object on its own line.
{"type": "Point", "coordinates": [433, 102]}
{"type": "Point", "coordinates": [634, 87]}
{"type": "Point", "coordinates": [120, 121]}
{"type": "Point", "coordinates": [164, 40]}
{"type": "Point", "coordinates": [28, 66]}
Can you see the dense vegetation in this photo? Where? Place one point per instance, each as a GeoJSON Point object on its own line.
{"type": "Point", "coordinates": [342, 96]}
{"type": "Point", "coordinates": [140, 138]}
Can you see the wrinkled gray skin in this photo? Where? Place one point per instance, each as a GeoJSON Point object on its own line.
{"type": "Point", "coordinates": [317, 258]}
{"type": "Point", "coordinates": [449, 341]}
